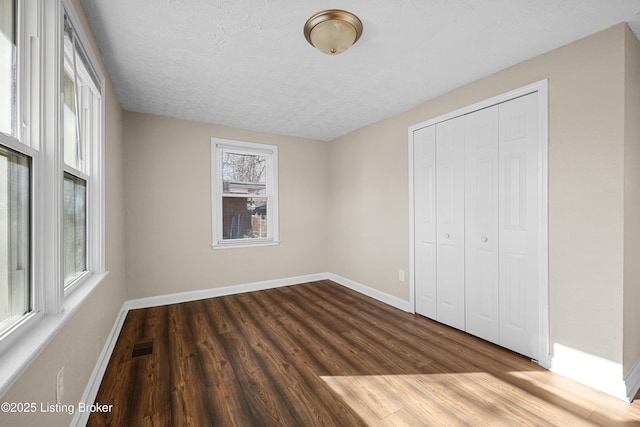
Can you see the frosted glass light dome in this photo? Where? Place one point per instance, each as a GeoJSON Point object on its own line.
{"type": "Point", "coordinates": [333, 31]}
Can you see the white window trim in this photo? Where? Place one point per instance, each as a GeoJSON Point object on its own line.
{"type": "Point", "coordinates": [95, 178]}
{"type": "Point", "coordinates": [7, 338]}
{"type": "Point", "coordinates": [217, 145]}
{"type": "Point", "coordinates": [26, 141]}
{"type": "Point", "coordinates": [40, 103]}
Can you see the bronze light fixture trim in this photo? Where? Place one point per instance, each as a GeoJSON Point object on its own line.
{"type": "Point", "coordinates": [333, 31]}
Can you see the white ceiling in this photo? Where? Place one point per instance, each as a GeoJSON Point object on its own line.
{"type": "Point", "coordinates": [246, 63]}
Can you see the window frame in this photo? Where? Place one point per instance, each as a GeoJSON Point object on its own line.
{"type": "Point", "coordinates": [92, 168]}
{"type": "Point", "coordinates": [23, 142]}
{"type": "Point", "coordinates": [39, 103]}
{"type": "Point", "coordinates": [35, 296]}
{"type": "Point", "coordinates": [218, 146]}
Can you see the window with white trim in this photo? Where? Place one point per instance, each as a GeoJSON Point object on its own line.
{"type": "Point", "coordinates": [16, 175]}
{"type": "Point", "coordinates": [245, 193]}
{"type": "Point", "coordinates": [51, 166]}
{"type": "Point", "coordinates": [82, 114]}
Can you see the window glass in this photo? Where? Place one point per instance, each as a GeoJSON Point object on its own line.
{"type": "Point", "coordinates": [244, 169]}
{"type": "Point", "coordinates": [75, 227]}
{"type": "Point", "coordinates": [8, 67]}
{"type": "Point", "coordinates": [244, 217]}
{"type": "Point", "coordinates": [244, 176]}
{"type": "Point", "coordinates": [15, 195]}
{"type": "Point", "coordinates": [70, 124]}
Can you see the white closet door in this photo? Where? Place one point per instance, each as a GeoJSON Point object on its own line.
{"type": "Point", "coordinates": [450, 222]}
{"type": "Point", "coordinates": [424, 170]}
{"type": "Point", "coordinates": [481, 224]}
{"type": "Point", "coordinates": [518, 223]}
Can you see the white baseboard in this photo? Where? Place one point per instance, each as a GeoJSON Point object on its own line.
{"type": "Point", "coordinates": [371, 292]}
{"type": "Point", "coordinates": [593, 371]}
{"type": "Point", "coordinates": [632, 381]}
{"type": "Point", "coordinates": [90, 393]}
{"type": "Point", "coordinates": [267, 284]}
{"type": "Point", "coordinates": [219, 292]}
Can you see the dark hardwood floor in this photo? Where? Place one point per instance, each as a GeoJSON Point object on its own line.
{"type": "Point", "coordinates": [318, 354]}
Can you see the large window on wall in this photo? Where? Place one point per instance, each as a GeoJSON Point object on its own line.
{"type": "Point", "coordinates": [81, 131]}
{"type": "Point", "coordinates": [16, 279]}
{"type": "Point", "coordinates": [245, 193]}
{"type": "Point", "coordinates": [51, 172]}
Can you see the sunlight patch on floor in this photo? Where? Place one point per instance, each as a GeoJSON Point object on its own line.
{"type": "Point", "coordinates": [581, 397]}
{"type": "Point", "coordinates": [476, 398]}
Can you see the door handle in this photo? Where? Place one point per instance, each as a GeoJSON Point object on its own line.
{"type": "Point", "coordinates": [484, 239]}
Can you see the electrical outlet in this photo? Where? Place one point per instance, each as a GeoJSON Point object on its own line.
{"type": "Point", "coordinates": [60, 385]}
{"type": "Point", "coordinates": [401, 275]}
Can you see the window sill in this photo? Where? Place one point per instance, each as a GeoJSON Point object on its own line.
{"type": "Point", "coordinates": [25, 347]}
{"type": "Point", "coordinates": [246, 244]}
{"type": "Point", "coordinates": [77, 283]}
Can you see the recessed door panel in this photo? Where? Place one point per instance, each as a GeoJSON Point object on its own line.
{"type": "Point", "coordinates": [487, 301]}
{"type": "Point", "coordinates": [514, 293]}
{"type": "Point", "coordinates": [425, 276]}
{"type": "Point", "coordinates": [448, 272]}
{"type": "Point", "coordinates": [484, 188]}
{"type": "Point", "coordinates": [515, 172]}
{"type": "Point", "coordinates": [426, 175]}
{"type": "Point", "coordinates": [447, 192]}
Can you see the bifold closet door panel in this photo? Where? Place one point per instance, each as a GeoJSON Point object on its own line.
{"type": "Point", "coordinates": [424, 170]}
{"type": "Point", "coordinates": [518, 224]}
{"type": "Point", "coordinates": [481, 224]}
{"type": "Point", "coordinates": [450, 222]}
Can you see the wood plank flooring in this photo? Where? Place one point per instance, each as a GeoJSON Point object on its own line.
{"type": "Point", "coordinates": [318, 354]}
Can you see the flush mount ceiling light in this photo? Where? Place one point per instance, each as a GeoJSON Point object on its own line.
{"type": "Point", "coordinates": [333, 31]}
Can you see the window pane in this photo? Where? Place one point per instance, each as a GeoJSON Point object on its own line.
{"type": "Point", "coordinates": [244, 218]}
{"type": "Point", "coordinates": [75, 227]}
{"type": "Point", "coordinates": [15, 296]}
{"type": "Point", "coordinates": [8, 67]}
{"type": "Point", "coordinates": [70, 125]}
{"type": "Point", "coordinates": [244, 173]}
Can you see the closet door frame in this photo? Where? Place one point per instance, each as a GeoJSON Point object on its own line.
{"type": "Point", "coordinates": [541, 87]}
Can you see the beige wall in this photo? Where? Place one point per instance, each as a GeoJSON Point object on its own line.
{"type": "Point", "coordinates": [77, 346]}
{"type": "Point", "coordinates": [368, 202]}
{"type": "Point", "coordinates": [368, 206]}
{"type": "Point", "coordinates": [168, 199]}
{"type": "Point", "coordinates": [632, 203]}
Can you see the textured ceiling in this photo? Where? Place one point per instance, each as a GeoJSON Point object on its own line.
{"type": "Point", "coordinates": [246, 63]}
